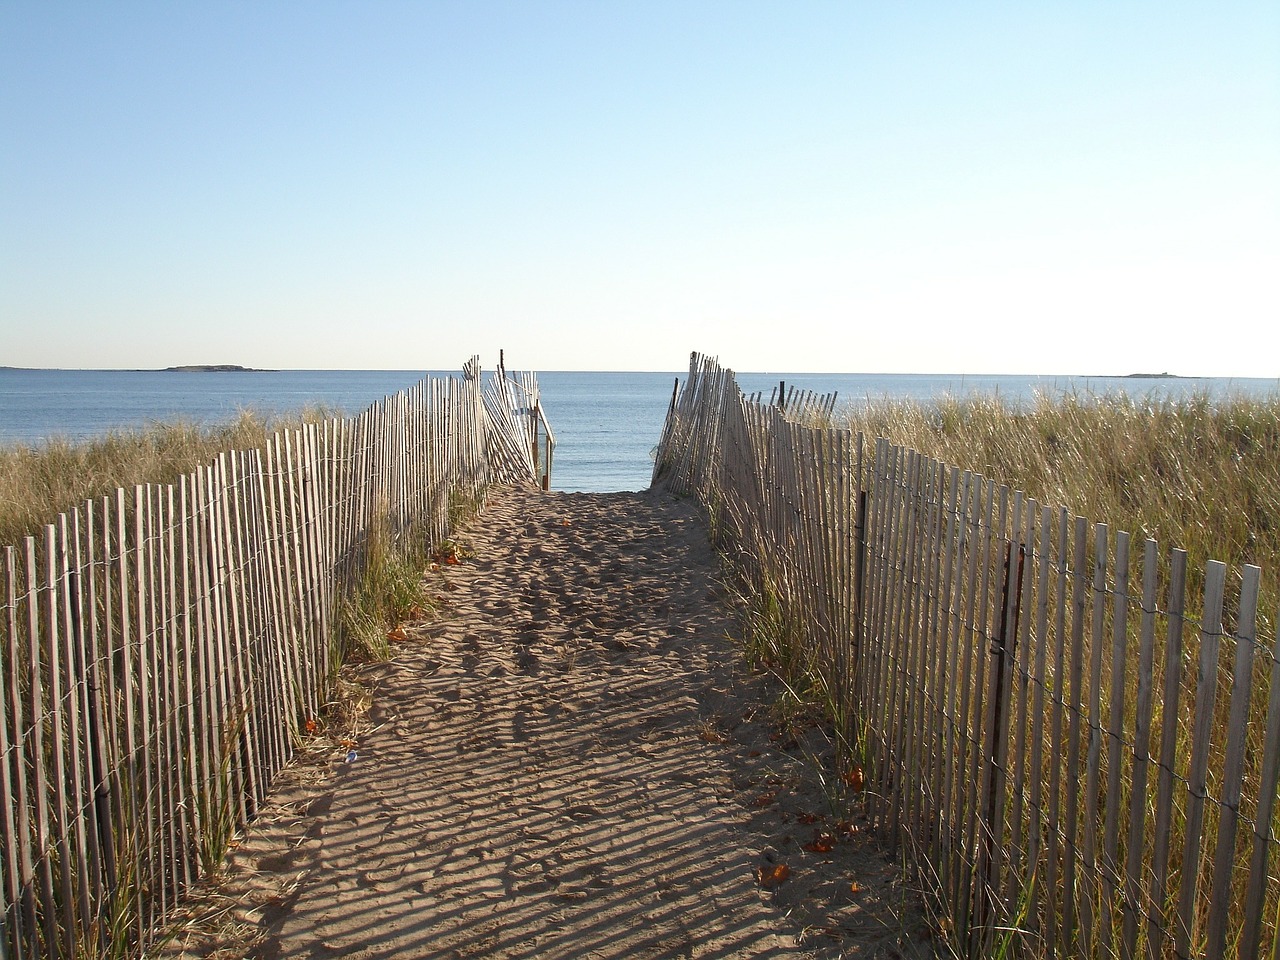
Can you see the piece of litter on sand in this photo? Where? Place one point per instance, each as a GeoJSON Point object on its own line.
{"type": "Point", "coordinates": [351, 756]}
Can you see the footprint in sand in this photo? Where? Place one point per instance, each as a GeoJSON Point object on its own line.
{"type": "Point", "coordinates": [529, 664]}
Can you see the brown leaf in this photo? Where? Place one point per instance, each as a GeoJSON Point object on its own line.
{"type": "Point", "coordinates": [397, 635]}
{"type": "Point", "coordinates": [823, 842]}
{"type": "Point", "coordinates": [765, 798]}
{"type": "Point", "coordinates": [770, 877]}
{"type": "Point", "coordinates": [854, 778]}
{"type": "Point", "coordinates": [807, 818]}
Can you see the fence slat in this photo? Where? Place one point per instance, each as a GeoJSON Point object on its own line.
{"type": "Point", "coordinates": [98, 763]}
{"type": "Point", "coordinates": [1176, 605]}
{"type": "Point", "coordinates": [1110, 870]}
{"type": "Point", "coordinates": [189, 775]}
{"type": "Point", "coordinates": [1201, 732]}
{"type": "Point", "coordinates": [126, 688]}
{"type": "Point", "coordinates": [1093, 756]}
{"type": "Point", "coordinates": [1133, 903]}
{"type": "Point", "coordinates": [1220, 889]}
{"type": "Point", "coordinates": [88, 858]}
{"type": "Point", "coordinates": [166, 761]}
{"type": "Point", "coordinates": [980, 637]}
{"type": "Point", "coordinates": [53, 587]}
{"type": "Point", "coordinates": [1262, 836]}
{"type": "Point", "coordinates": [19, 859]}
{"type": "Point", "coordinates": [1041, 555]}
{"type": "Point", "coordinates": [946, 685]}
{"type": "Point", "coordinates": [967, 758]}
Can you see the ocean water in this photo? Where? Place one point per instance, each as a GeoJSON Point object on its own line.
{"type": "Point", "coordinates": [606, 424]}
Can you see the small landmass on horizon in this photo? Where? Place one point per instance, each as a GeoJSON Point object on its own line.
{"type": "Point", "coordinates": [212, 368]}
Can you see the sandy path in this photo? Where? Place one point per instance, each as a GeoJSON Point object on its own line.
{"type": "Point", "coordinates": [569, 762]}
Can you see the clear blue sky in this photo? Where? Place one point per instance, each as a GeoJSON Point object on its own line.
{"type": "Point", "coordinates": [1069, 187]}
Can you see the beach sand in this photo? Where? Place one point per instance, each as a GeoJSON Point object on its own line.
{"type": "Point", "coordinates": [570, 759]}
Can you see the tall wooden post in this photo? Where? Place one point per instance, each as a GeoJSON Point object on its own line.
{"type": "Point", "coordinates": [1003, 650]}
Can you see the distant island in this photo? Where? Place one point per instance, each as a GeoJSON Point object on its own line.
{"type": "Point", "coordinates": [185, 368]}
{"type": "Point", "coordinates": [212, 368]}
{"type": "Point", "coordinates": [1154, 376]}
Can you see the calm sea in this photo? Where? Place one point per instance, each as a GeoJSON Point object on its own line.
{"type": "Point", "coordinates": [606, 424]}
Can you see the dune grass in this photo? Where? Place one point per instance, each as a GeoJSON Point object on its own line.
{"type": "Point", "coordinates": [38, 482]}
{"type": "Point", "coordinates": [1195, 473]}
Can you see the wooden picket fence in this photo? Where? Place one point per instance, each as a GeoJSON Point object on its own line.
{"type": "Point", "coordinates": [1077, 750]}
{"type": "Point", "coordinates": [164, 649]}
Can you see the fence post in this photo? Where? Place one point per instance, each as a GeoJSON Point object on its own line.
{"type": "Point", "coordinates": [96, 749]}
{"type": "Point", "coordinates": [859, 578]}
{"type": "Point", "coordinates": [534, 411]}
{"type": "Point", "coordinates": [546, 439]}
{"type": "Point", "coordinates": [1003, 649]}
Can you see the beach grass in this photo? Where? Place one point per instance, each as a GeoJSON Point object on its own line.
{"type": "Point", "coordinates": [40, 481]}
{"type": "Point", "coordinates": [389, 591]}
{"type": "Point", "coordinates": [1197, 473]}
